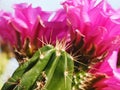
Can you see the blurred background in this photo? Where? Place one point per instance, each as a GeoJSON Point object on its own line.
{"type": "Point", "coordinates": [7, 62]}
{"type": "Point", "coordinates": [45, 4]}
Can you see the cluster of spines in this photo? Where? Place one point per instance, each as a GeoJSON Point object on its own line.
{"type": "Point", "coordinates": [85, 81]}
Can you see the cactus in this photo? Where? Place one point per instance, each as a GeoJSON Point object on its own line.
{"type": "Point", "coordinates": [50, 68]}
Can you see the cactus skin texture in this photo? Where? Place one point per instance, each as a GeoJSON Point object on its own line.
{"type": "Point", "coordinates": [50, 68]}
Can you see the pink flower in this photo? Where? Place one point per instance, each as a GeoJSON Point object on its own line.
{"type": "Point", "coordinates": [35, 24]}
{"type": "Point", "coordinates": [111, 71]}
{"type": "Point", "coordinates": [93, 27]}
{"type": "Point", "coordinates": [6, 31]}
{"type": "Point", "coordinates": [27, 19]}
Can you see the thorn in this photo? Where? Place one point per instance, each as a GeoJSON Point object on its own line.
{"type": "Point", "coordinates": [65, 74]}
{"type": "Point", "coordinates": [41, 56]}
{"type": "Point", "coordinates": [58, 53]}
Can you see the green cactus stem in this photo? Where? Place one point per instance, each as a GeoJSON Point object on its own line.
{"type": "Point", "coordinates": [50, 68]}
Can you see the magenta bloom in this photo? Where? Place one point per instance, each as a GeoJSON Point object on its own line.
{"type": "Point", "coordinates": [33, 24]}
{"type": "Point", "coordinates": [95, 34]}
{"type": "Point", "coordinates": [111, 71]}
{"type": "Point", "coordinates": [6, 31]}
{"type": "Point", "coordinates": [93, 26]}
